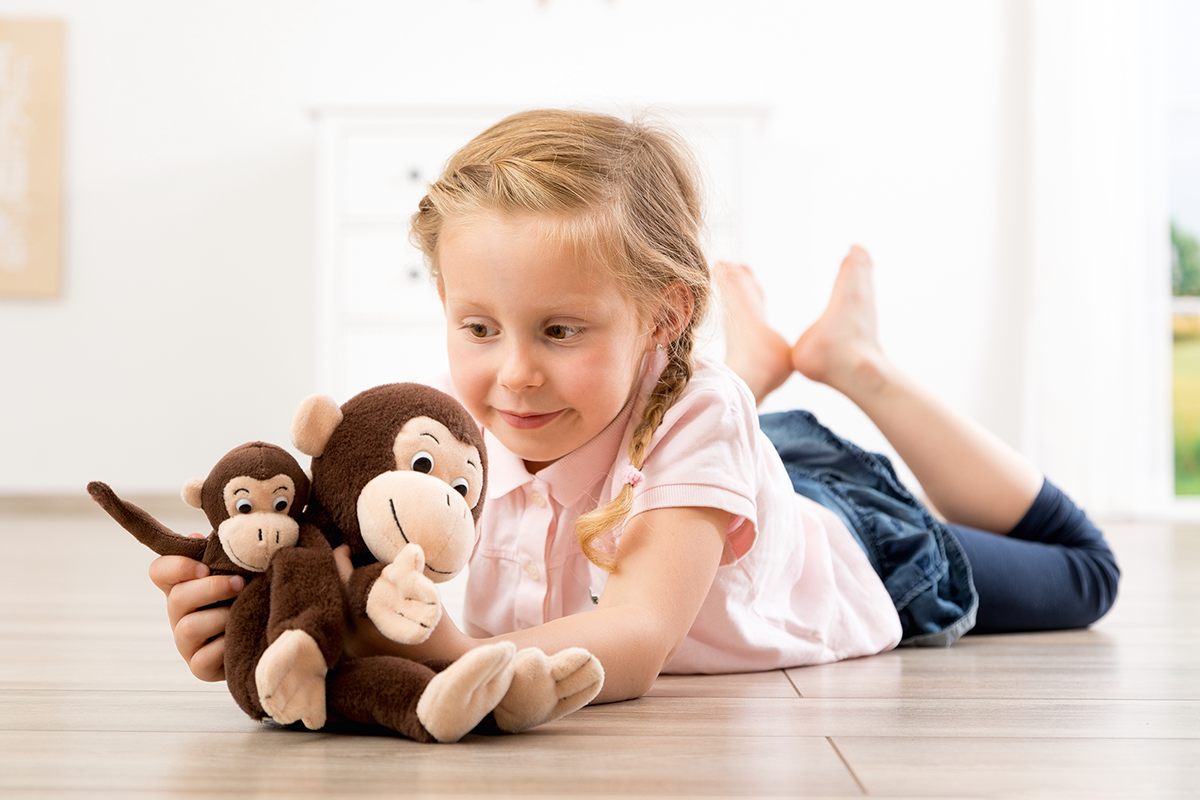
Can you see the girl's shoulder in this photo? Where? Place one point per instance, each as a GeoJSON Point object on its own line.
{"type": "Point", "coordinates": [715, 412]}
{"type": "Point", "coordinates": [713, 383]}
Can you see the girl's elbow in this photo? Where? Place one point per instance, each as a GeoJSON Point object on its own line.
{"type": "Point", "coordinates": [628, 685]}
{"type": "Point", "coordinates": [642, 683]}
{"type": "Point", "coordinates": [631, 674]}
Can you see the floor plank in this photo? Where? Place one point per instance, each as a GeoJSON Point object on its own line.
{"type": "Point", "coordinates": [904, 717]}
{"type": "Point", "coordinates": [287, 763]}
{"type": "Point", "coordinates": [1021, 767]}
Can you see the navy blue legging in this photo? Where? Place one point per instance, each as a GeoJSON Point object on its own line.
{"type": "Point", "coordinates": [1053, 571]}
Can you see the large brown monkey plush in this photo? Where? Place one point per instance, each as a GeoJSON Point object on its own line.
{"type": "Point", "coordinates": [292, 607]}
{"type": "Point", "coordinates": [399, 475]}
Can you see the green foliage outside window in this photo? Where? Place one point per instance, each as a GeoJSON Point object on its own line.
{"type": "Point", "coordinates": [1185, 263]}
{"type": "Point", "coordinates": [1187, 415]}
{"type": "Point", "coordinates": [1185, 281]}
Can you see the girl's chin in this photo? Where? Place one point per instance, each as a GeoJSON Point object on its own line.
{"type": "Point", "coordinates": [535, 457]}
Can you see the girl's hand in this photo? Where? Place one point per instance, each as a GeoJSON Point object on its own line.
{"type": "Point", "coordinates": [199, 631]}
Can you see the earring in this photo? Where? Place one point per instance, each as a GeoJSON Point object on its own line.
{"type": "Point", "coordinates": [658, 348]}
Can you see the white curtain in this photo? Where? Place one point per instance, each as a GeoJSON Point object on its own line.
{"type": "Point", "coordinates": [1096, 391]}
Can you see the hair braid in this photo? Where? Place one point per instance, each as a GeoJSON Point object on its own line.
{"type": "Point", "coordinates": [591, 527]}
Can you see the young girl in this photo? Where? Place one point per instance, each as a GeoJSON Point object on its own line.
{"type": "Point", "coordinates": [637, 505]}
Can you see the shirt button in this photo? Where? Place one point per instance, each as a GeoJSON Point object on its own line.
{"type": "Point", "coordinates": [538, 500]}
{"type": "Point", "coordinates": [532, 571]}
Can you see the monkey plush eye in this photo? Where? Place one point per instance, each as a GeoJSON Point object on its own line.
{"type": "Point", "coordinates": [422, 462]}
{"type": "Point", "coordinates": [461, 486]}
{"type": "Point", "coordinates": [281, 503]}
{"type": "Point", "coordinates": [244, 507]}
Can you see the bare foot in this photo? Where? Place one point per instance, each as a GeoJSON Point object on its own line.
{"type": "Point", "coordinates": [841, 349]}
{"type": "Point", "coordinates": [754, 350]}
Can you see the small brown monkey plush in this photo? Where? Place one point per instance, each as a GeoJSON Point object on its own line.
{"type": "Point", "coordinates": [285, 629]}
{"type": "Point", "coordinates": [399, 475]}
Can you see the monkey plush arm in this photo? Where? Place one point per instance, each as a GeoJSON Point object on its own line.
{"type": "Point", "coordinates": [359, 587]}
{"type": "Point", "coordinates": [306, 593]}
{"type": "Point", "coordinates": [145, 528]}
{"type": "Point", "coordinates": [305, 631]}
{"type": "Point", "coordinates": [398, 598]}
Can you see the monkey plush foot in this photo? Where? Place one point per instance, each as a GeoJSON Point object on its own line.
{"type": "Point", "coordinates": [461, 695]}
{"type": "Point", "coordinates": [290, 678]}
{"type": "Point", "coordinates": [545, 688]}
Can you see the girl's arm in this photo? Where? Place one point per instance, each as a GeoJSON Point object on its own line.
{"type": "Point", "coordinates": [668, 558]}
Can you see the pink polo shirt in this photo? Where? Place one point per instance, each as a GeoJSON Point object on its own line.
{"type": "Point", "coordinates": [793, 587]}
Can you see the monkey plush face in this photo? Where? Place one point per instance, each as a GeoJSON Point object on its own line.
{"type": "Point", "coordinates": [253, 498]}
{"type": "Point", "coordinates": [427, 499]}
{"type": "Point", "coordinates": [257, 524]}
{"type": "Point", "coordinates": [397, 464]}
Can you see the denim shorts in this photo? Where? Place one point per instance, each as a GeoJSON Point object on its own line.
{"type": "Point", "coordinates": [920, 561]}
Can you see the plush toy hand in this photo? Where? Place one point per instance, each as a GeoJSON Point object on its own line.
{"type": "Point", "coordinates": [404, 602]}
{"type": "Point", "coordinates": [545, 688]}
{"type": "Point", "coordinates": [291, 680]}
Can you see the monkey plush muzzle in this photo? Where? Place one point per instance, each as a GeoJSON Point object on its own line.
{"type": "Point", "coordinates": [406, 507]}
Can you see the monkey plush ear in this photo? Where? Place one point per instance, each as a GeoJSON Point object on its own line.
{"type": "Point", "coordinates": [316, 419]}
{"type": "Point", "coordinates": [191, 492]}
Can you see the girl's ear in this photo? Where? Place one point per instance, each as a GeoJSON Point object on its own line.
{"type": "Point", "coordinates": [673, 313]}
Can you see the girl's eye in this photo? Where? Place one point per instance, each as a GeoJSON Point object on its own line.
{"type": "Point", "coordinates": [461, 486]}
{"type": "Point", "coordinates": [422, 462]}
{"type": "Point", "coordinates": [478, 330]}
{"type": "Point", "coordinates": [281, 504]}
{"type": "Point", "coordinates": [561, 332]}
{"type": "Point", "coordinates": [244, 506]}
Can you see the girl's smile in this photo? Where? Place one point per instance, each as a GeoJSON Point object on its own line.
{"type": "Point", "coordinates": [528, 421]}
{"type": "Point", "coordinates": [544, 348]}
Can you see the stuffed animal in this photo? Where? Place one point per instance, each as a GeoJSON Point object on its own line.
{"type": "Point", "coordinates": [399, 474]}
{"type": "Point", "coordinates": [286, 627]}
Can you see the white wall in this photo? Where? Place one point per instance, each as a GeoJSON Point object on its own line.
{"type": "Point", "coordinates": [186, 323]}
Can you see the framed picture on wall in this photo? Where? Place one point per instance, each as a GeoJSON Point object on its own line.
{"type": "Point", "coordinates": [31, 157]}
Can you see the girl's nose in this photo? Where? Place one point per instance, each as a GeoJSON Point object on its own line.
{"type": "Point", "coordinates": [520, 369]}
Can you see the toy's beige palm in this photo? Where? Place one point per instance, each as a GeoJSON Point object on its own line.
{"type": "Point", "coordinates": [461, 695]}
{"type": "Point", "coordinates": [291, 680]}
{"type": "Point", "coordinates": [545, 688]}
{"type": "Point", "coordinates": [403, 603]}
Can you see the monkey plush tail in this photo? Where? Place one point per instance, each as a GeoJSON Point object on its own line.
{"type": "Point", "coordinates": [145, 528]}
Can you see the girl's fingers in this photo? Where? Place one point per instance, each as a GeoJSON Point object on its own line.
{"type": "Point", "coordinates": [166, 571]}
{"type": "Point", "coordinates": [208, 662]}
{"type": "Point", "coordinates": [189, 596]}
{"type": "Point", "coordinates": [198, 629]}
{"type": "Point", "coordinates": [200, 639]}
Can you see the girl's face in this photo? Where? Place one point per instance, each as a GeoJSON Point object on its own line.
{"type": "Point", "coordinates": [544, 349]}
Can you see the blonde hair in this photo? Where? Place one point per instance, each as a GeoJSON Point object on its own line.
{"type": "Point", "coordinates": [627, 195]}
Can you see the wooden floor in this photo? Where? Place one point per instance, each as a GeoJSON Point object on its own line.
{"type": "Point", "coordinates": [95, 702]}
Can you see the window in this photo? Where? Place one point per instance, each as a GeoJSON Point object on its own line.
{"type": "Point", "coordinates": [1184, 204]}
